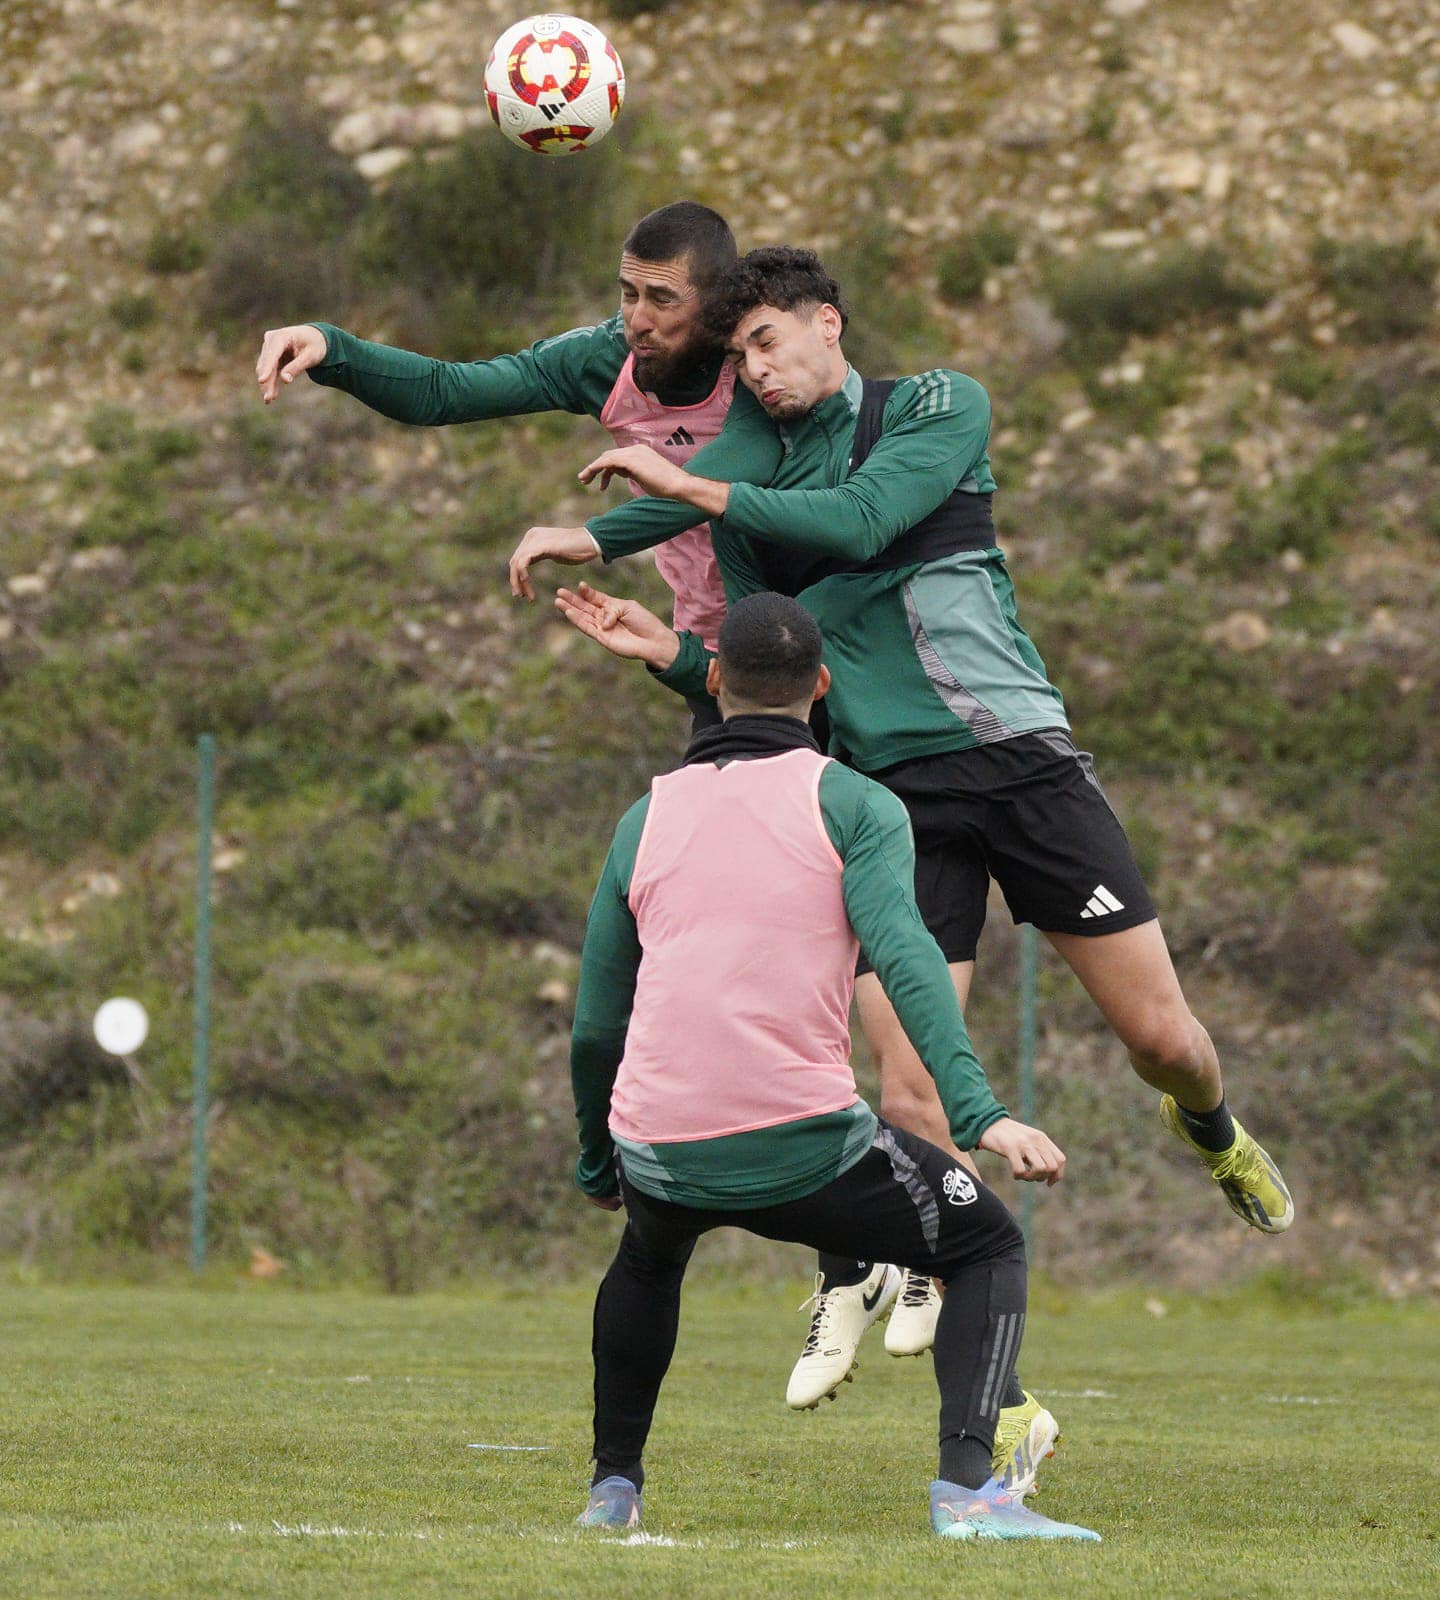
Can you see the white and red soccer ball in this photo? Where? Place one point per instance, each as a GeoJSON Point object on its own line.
{"type": "Point", "coordinates": [554, 84]}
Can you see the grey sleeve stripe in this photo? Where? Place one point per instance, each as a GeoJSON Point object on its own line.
{"type": "Point", "coordinates": [981, 721]}
{"type": "Point", "coordinates": [1005, 1347]}
{"type": "Point", "coordinates": [907, 1173]}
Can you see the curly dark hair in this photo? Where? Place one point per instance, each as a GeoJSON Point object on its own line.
{"type": "Point", "coordinates": [776, 275]}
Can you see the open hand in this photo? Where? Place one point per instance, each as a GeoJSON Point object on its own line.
{"type": "Point", "coordinates": [624, 627]}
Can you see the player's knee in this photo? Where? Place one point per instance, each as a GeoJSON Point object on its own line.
{"type": "Point", "coordinates": [1166, 1040]}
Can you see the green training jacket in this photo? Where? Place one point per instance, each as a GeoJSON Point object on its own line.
{"type": "Point", "coordinates": [573, 371]}
{"type": "Point", "coordinates": [926, 658]}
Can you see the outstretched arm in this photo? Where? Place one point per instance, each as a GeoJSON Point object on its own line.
{"type": "Point", "coordinates": [746, 450]}
{"type": "Point", "coordinates": [573, 546]}
{"type": "Point", "coordinates": [653, 474]}
{"type": "Point", "coordinates": [625, 628]}
{"type": "Point", "coordinates": [572, 371]}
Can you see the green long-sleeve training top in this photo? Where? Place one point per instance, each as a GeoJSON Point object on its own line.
{"type": "Point", "coordinates": [926, 658]}
{"type": "Point", "coordinates": [573, 371]}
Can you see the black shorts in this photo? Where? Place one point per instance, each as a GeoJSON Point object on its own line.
{"type": "Point", "coordinates": [904, 1201]}
{"type": "Point", "coordinates": [1029, 813]}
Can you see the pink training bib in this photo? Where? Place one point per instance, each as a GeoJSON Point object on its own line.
{"type": "Point", "coordinates": [686, 562]}
{"type": "Point", "coordinates": [742, 1005]}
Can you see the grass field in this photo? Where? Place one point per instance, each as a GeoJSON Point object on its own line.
{"type": "Point", "coordinates": [166, 1442]}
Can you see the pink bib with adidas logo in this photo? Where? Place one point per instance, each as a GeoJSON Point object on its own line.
{"type": "Point", "coordinates": [686, 562]}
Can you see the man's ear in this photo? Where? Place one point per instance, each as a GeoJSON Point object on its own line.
{"type": "Point", "coordinates": [712, 677]}
{"type": "Point", "coordinates": [831, 323]}
{"type": "Point", "coordinates": [822, 682]}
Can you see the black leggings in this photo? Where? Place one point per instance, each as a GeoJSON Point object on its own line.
{"type": "Point", "coordinates": [906, 1202]}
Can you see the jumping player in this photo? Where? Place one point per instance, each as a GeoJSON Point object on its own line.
{"type": "Point", "coordinates": [651, 375]}
{"type": "Point", "coordinates": [878, 518]}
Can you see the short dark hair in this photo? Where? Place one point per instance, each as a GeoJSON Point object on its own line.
{"type": "Point", "coordinates": [776, 275]}
{"type": "Point", "coordinates": [685, 228]}
{"type": "Point", "coordinates": [769, 650]}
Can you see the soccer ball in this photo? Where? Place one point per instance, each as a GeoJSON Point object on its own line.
{"type": "Point", "coordinates": [554, 84]}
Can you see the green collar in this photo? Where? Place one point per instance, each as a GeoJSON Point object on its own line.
{"type": "Point", "coordinates": [835, 411]}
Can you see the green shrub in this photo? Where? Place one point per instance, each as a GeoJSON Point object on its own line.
{"type": "Point", "coordinates": [133, 312]}
{"type": "Point", "coordinates": [1106, 296]}
{"type": "Point", "coordinates": [496, 222]}
{"type": "Point", "coordinates": [1414, 419]}
{"type": "Point", "coordinates": [1306, 374]}
{"type": "Point", "coordinates": [890, 326]}
{"type": "Point", "coordinates": [283, 167]}
{"type": "Point", "coordinates": [1302, 512]}
{"type": "Point", "coordinates": [111, 429]}
{"type": "Point", "coordinates": [1101, 116]}
{"type": "Point", "coordinates": [1115, 55]}
{"type": "Point", "coordinates": [1409, 910]}
{"type": "Point", "coordinates": [1386, 290]}
{"type": "Point", "coordinates": [1141, 405]}
{"type": "Point", "coordinates": [271, 275]}
{"type": "Point", "coordinates": [283, 210]}
{"type": "Point", "coordinates": [168, 253]}
{"type": "Point", "coordinates": [964, 266]}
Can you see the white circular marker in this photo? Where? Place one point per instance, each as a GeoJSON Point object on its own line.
{"type": "Point", "coordinates": [120, 1026]}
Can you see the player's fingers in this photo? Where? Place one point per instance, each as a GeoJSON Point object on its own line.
{"type": "Point", "coordinates": [520, 585]}
{"type": "Point", "coordinates": [581, 620]}
{"type": "Point", "coordinates": [575, 608]}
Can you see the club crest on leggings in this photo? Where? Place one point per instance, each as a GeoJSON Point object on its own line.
{"type": "Point", "coordinates": [959, 1187]}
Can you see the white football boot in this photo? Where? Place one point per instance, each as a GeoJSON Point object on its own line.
{"type": "Point", "coordinates": [911, 1329]}
{"type": "Point", "coordinates": [840, 1318]}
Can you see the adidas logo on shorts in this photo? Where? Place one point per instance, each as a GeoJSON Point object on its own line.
{"type": "Point", "coordinates": [1102, 903]}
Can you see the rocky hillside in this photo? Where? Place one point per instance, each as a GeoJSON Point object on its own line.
{"type": "Point", "coordinates": [1190, 247]}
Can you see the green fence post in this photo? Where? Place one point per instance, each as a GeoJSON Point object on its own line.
{"type": "Point", "coordinates": [200, 1098]}
{"type": "Point", "coordinates": [1028, 963]}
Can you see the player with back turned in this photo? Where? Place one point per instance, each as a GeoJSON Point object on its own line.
{"type": "Point", "coordinates": [710, 1063]}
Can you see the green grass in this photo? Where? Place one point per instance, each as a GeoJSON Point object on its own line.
{"type": "Point", "coordinates": [184, 1442]}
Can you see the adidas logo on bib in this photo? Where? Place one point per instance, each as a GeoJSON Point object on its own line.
{"type": "Point", "coordinates": [1102, 903]}
{"type": "Point", "coordinates": [681, 437]}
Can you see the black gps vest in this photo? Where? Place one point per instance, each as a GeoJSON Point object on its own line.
{"type": "Point", "coordinates": [960, 522]}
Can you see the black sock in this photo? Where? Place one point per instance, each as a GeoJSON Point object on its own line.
{"type": "Point", "coordinates": [840, 1272]}
{"type": "Point", "coordinates": [1211, 1130]}
{"type": "Point", "coordinates": [1014, 1395]}
{"type": "Point", "coordinates": [610, 1469]}
{"type": "Point", "coordinates": [965, 1461]}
